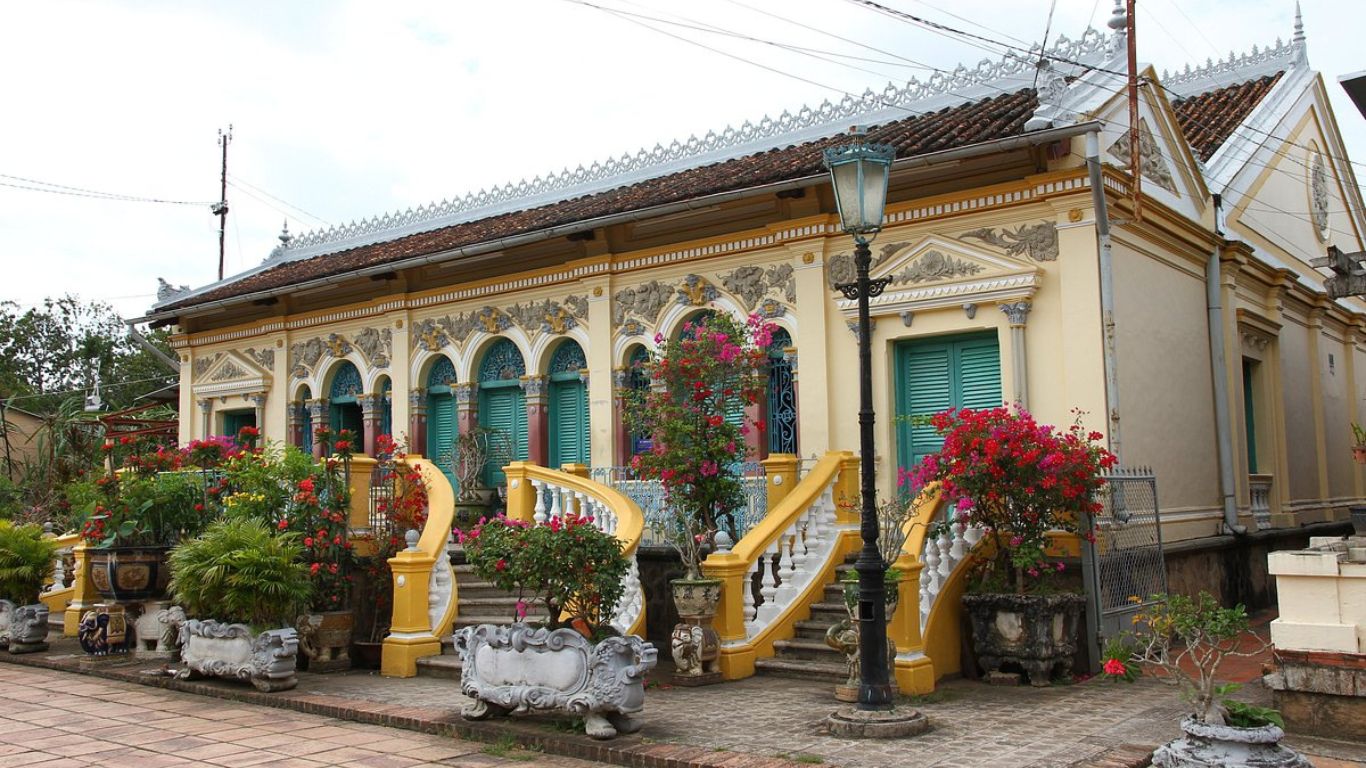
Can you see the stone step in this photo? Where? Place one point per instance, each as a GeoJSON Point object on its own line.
{"type": "Point", "coordinates": [445, 666]}
{"type": "Point", "coordinates": [833, 671]}
{"type": "Point", "coordinates": [800, 649]}
{"type": "Point", "coordinates": [828, 613]}
{"type": "Point", "coordinates": [499, 600]}
{"type": "Point", "coordinates": [813, 630]}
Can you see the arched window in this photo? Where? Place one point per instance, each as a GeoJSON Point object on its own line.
{"type": "Point", "coordinates": [305, 417]}
{"type": "Point", "coordinates": [502, 408]}
{"type": "Point", "coordinates": [386, 406]}
{"type": "Point", "coordinates": [782, 396]}
{"type": "Point", "coordinates": [345, 407]}
{"type": "Point", "coordinates": [441, 427]}
{"type": "Point", "coordinates": [637, 382]}
{"type": "Point", "coordinates": [569, 435]}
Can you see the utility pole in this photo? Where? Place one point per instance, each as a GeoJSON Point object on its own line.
{"type": "Point", "coordinates": [1135, 142]}
{"type": "Point", "coordinates": [220, 209]}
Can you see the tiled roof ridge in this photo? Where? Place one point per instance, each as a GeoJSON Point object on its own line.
{"type": "Point", "coordinates": [1237, 68]}
{"type": "Point", "coordinates": [750, 137]}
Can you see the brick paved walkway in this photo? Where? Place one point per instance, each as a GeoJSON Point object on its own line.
{"type": "Point", "coordinates": [757, 721]}
{"type": "Point", "coordinates": [51, 719]}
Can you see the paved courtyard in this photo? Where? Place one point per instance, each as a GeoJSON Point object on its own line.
{"type": "Point", "coordinates": [52, 719]}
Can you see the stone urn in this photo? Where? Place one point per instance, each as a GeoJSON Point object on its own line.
{"type": "Point", "coordinates": [130, 574]}
{"type": "Point", "coordinates": [844, 636]}
{"type": "Point", "coordinates": [267, 660]}
{"type": "Point", "coordinates": [325, 639]}
{"type": "Point", "coordinates": [1034, 633]}
{"type": "Point", "coordinates": [694, 644]}
{"type": "Point", "coordinates": [1206, 744]}
{"type": "Point", "coordinates": [23, 628]}
{"type": "Point", "coordinates": [521, 667]}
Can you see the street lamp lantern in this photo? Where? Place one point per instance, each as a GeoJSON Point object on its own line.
{"type": "Point", "coordinates": [859, 174]}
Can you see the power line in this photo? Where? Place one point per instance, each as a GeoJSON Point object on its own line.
{"type": "Point", "coordinates": [62, 189]}
{"type": "Point", "coordinates": [32, 395]}
{"type": "Point", "coordinates": [235, 180]}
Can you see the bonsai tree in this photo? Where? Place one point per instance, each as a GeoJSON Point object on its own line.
{"type": "Point", "coordinates": [241, 571]}
{"type": "Point", "coordinates": [1018, 480]}
{"type": "Point", "coordinates": [1183, 641]}
{"type": "Point", "coordinates": [711, 370]}
{"type": "Point", "coordinates": [571, 567]}
{"type": "Point", "coordinates": [25, 562]}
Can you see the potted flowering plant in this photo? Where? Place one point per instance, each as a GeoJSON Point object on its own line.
{"type": "Point", "coordinates": [1018, 481]}
{"type": "Point", "coordinates": [25, 563]}
{"type": "Point", "coordinates": [1183, 641]}
{"type": "Point", "coordinates": [575, 571]}
{"type": "Point", "coordinates": [710, 372]}
{"type": "Point", "coordinates": [318, 513]}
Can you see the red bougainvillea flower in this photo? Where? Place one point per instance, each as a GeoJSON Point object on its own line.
{"type": "Point", "coordinates": [1114, 667]}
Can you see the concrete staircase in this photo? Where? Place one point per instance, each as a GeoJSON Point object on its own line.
{"type": "Point", "coordinates": [806, 656]}
{"type": "Point", "coordinates": [478, 602]}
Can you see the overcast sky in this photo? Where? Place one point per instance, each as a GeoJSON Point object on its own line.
{"type": "Point", "coordinates": [352, 109]}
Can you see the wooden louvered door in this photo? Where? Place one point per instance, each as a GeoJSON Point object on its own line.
{"type": "Point", "coordinates": [568, 423]}
{"type": "Point", "coordinates": [441, 433]}
{"type": "Point", "coordinates": [503, 409]}
{"type": "Point", "coordinates": [934, 375]}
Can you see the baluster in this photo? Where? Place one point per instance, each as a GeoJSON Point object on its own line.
{"type": "Point", "coordinates": [926, 596]}
{"type": "Point", "coordinates": [768, 584]}
{"type": "Point", "coordinates": [58, 573]}
{"type": "Point", "coordinates": [786, 572]}
{"type": "Point", "coordinates": [538, 487]}
{"type": "Point", "coordinates": [799, 546]}
{"type": "Point", "coordinates": [957, 531]}
{"type": "Point", "coordinates": [931, 570]}
{"type": "Point", "coordinates": [747, 587]}
{"type": "Point", "coordinates": [946, 560]}
{"type": "Point", "coordinates": [815, 531]}
{"type": "Point", "coordinates": [556, 510]}
{"type": "Point", "coordinates": [972, 535]}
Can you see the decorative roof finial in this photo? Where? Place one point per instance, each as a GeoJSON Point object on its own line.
{"type": "Point", "coordinates": [1119, 22]}
{"type": "Point", "coordinates": [284, 235]}
{"type": "Point", "coordinates": [1299, 25]}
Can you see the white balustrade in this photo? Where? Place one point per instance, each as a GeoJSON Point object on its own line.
{"type": "Point", "coordinates": [439, 587]}
{"type": "Point", "coordinates": [1259, 487]}
{"type": "Point", "coordinates": [802, 551]}
{"type": "Point", "coordinates": [941, 555]}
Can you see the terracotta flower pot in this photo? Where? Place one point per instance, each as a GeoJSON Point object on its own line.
{"type": "Point", "coordinates": [1359, 453]}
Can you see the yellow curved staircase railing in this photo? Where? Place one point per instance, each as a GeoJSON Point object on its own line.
{"type": "Point", "coordinates": [537, 494]}
{"type": "Point", "coordinates": [425, 596]}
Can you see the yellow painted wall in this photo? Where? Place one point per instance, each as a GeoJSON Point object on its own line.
{"type": "Point", "coordinates": [1301, 440]}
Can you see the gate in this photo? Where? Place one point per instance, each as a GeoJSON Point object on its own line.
{"type": "Point", "coordinates": [1126, 560]}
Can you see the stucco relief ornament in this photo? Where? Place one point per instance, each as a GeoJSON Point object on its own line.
{"type": "Point", "coordinates": [263, 357]}
{"type": "Point", "coordinates": [578, 306]}
{"type": "Point", "coordinates": [492, 320]}
{"type": "Point", "coordinates": [747, 282]}
{"type": "Point", "coordinates": [338, 345]}
{"type": "Point", "coordinates": [376, 345]}
{"type": "Point", "coordinates": [166, 291]}
{"type": "Point", "coordinates": [936, 266]}
{"type": "Point", "coordinates": [228, 371]}
{"type": "Point", "coordinates": [202, 365]}
{"type": "Point", "coordinates": [528, 315]}
{"type": "Point", "coordinates": [771, 308]}
{"type": "Point", "coordinates": [782, 276]}
{"type": "Point", "coordinates": [840, 270]}
{"type": "Point", "coordinates": [429, 335]}
{"type": "Point", "coordinates": [696, 291]}
{"type": "Point", "coordinates": [462, 325]}
{"type": "Point", "coordinates": [304, 355]}
{"type": "Point", "coordinates": [1038, 242]}
{"type": "Point", "coordinates": [852, 325]}
{"type": "Point", "coordinates": [633, 327]}
{"type": "Point", "coordinates": [1318, 195]}
{"type": "Point", "coordinates": [1152, 162]}
{"type": "Point", "coordinates": [645, 301]}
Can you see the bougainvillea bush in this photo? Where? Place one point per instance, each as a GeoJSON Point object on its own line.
{"type": "Point", "coordinates": [1017, 479]}
{"type": "Point", "coordinates": [712, 369]}
{"type": "Point", "coordinates": [568, 565]}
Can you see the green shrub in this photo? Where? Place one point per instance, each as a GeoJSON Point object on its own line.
{"type": "Point", "coordinates": [25, 562]}
{"type": "Point", "coordinates": [241, 571]}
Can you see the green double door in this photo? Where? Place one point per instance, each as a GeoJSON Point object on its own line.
{"type": "Point", "coordinates": [933, 375]}
{"type": "Point", "coordinates": [502, 408]}
{"type": "Point", "coordinates": [568, 420]}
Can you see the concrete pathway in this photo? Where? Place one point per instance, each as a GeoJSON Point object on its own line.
{"type": "Point", "coordinates": [51, 719]}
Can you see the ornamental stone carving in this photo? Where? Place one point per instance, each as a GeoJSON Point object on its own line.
{"type": "Point", "coordinates": [578, 305]}
{"type": "Point", "coordinates": [1152, 163]}
{"type": "Point", "coordinates": [518, 667]}
{"type": "Point", "coordinates": [217, 649]}
{"type": "Point", "coordinates": [492, 320]}
{"type": "Point", "coordinates": [1017, 312]}
{"type": "Point", "coordinates": [23, 628]}
{"type": "Point", "coordinates": [201, 365]}
{"type": "Point", "coordinates": [430, 335]}
{"type": "Point", "coordinates": [644, 301]}
{"type": "Point", "coordinates": [533, 386]}
{"type": "Point", "coordinates": [376, 345]}
{"type": "Point", "coordinates": [771, 308]}
{"type": "Point", "coordinates": [1318, 195]}
{"type": "Point", "coordinates": [633, 327]}
{"type": "Point", "coordinates": [935, 266]}
{"type": "Point", "coordinates": [263, 357]}
{"type": "Point", "coordinates": [747, 283]}
{"type": "Point", "coordinates": [166, 291]}
{"type": "Point", "coordinates": [840, 270]}
{"type": "Point", "coordinates": [229, 371]}
{"type": "Point", "coordinates": [782, 276]}
{"type": "Point", "coordinates": [852, 325]}
{"type": "Point", "coordinates": [338, 345]}
{"type": "Point", "coordinates": [304, 356]}
{"type": "Point", "coordinates": [544, 317]}
{"type": "Point", "coordinates": [696, 291]}
{"type": "Point", "coordinates": [1038, 242]}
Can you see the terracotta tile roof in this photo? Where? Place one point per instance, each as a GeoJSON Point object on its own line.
{"type": "Point", "coordinates": [994, 118]}
{"type": "Point", "coordinates": [1209, 118]}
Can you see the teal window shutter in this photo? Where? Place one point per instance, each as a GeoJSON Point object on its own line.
{"type": "Point", "coordinates": [568, 423]}
{"type": "Point", "coordinates": [503, 409]}
{"type": "Point", "coordinates": [441, 433]}
{"type": "Point", "coordinates": [937, 374]}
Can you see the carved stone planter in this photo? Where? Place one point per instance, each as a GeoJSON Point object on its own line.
{"type": "Point", "coordinates": [325, 639]}
{"type": "Point", "coordinates": [23, 629]}
{"type": "Point", "coordinates": [130, 574]}
{"type": "Point", "coordinates": [1206, 745]}
{"type": "Point", "coordinates": [156, 631]}
{"type": "Point", "coordinates": [525, 667]}
{"type": "Point", "coordinates": [216, 649]}
{"type": "Point", "coordinates": [694, 644]}
{"type": "Point", "coordinates": [1036, 633]}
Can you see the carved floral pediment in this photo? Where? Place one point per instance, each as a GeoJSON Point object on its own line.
{"type": "Point", "coordinates": [231, 372]}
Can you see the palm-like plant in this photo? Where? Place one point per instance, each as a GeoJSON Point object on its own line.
{"type": "Point", "coordinates": [240, 571]}
{"type": "Point", "coordinates": [25, 562]}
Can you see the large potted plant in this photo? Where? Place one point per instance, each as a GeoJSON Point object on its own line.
{"type": "Point", "coordinates": [1018, 481]}
{"type": "Point", "coordinates": [25, 563]}
{"type": "Point", "coordinates": [703, 381]}
{"type": "Point", "coordinates": [576, 663]}
{"type": "Point", "coordinates": [242, 585]}
{"type": "Point", "coordinates": [1183, 641]}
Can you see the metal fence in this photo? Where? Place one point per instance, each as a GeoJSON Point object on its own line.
{"type": "Point", "coordinates": [1126, 560]}
{"type": "Point", "coordinates": [649, 496]}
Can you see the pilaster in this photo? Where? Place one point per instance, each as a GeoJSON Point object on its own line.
{"type": "Point", "coordinates": [1316, 393]}
{"type": "Point", "coordinates": [812, 308]}
{"type": "Point", "coordinates": [603, 417]}
{"type": "Point", "coordinates": [466, 406]}
{"type": "Point", "coordinates": [401, 378]}
{"type": "Point", "coordinates": [417, 421]}
{"type": "Point", "coordinates": [1018, 313]}
{"type": "Point", "coordinates": [537, 419]}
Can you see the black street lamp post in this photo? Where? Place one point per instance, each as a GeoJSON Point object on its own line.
{"type": "Point", "coordinates": [859, 173]}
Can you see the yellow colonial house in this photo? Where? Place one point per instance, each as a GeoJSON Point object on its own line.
{"type": "Point", "coordinates": [1190, 329]}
